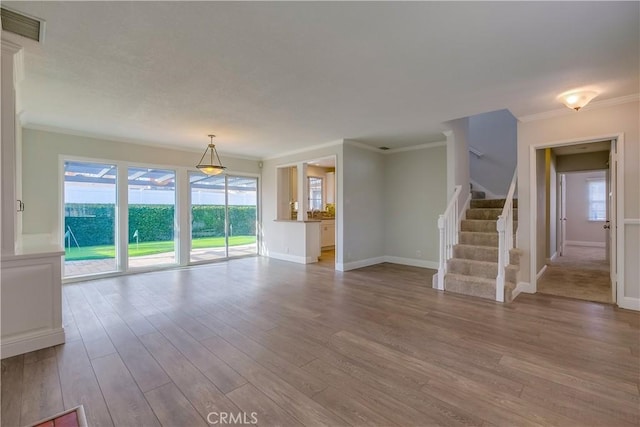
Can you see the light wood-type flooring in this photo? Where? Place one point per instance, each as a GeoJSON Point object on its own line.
{"type": "Point", "coordinates": [305, 345]}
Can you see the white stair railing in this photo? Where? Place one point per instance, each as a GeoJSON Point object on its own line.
{"type": "Point", "coordinates": [505, 237]}
{"type": "Point", "coordinates": [448, 226]}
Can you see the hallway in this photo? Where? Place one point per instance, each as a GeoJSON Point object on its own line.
{"type": "Point", "coordinates": [582, 273]}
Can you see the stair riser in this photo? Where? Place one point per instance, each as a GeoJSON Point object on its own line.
{"type": "Point", "coordinates": [471, 238]}
{"type": "Point", "coordinates": [511, 274]}
{"type": "Point", "coordinates": [481, 290]}
{"type": "Point", "coordinates": [491, 203]}
{"type": "Point", "coordinates": [488, 214]}
{"type": "Point", "coordinates": [478, 225]}
{"type": "Point", "coordinates": [478, 253]}
{"type": "Point", "coordinates": [469, 268]}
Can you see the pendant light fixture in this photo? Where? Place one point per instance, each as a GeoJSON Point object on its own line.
{"type": "Point", "coordinates": [211, 167]}
{"type": "Point", "coordinates": [577, 99]}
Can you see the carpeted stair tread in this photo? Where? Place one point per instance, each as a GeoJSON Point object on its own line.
{"type": "Point", "coordinates": [478, 238]}
{"type": "Point", "coordinates": [488, 213]}
{"type": "Point", "coordinates": [469, 267]}
{"type": "Point", "coordinates": [475, 286]}
{"type": "Point", "coordinates": [490, 203]}
{"type": "Point", "coordinates": [475, 252]}
{"type": "Point", "coordinates": [481, 225]}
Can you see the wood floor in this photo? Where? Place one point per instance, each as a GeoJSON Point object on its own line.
{"type": "Point", "coordinates": [291, 345]}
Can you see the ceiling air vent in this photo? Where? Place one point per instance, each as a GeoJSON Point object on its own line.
{"type": "Point", "coordinates": [22, 25]}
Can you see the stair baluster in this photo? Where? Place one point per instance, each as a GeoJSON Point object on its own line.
{"type": "Point", "coordinates": [448, 225]}
{"type": "Point", "coordinates": [504, 226]}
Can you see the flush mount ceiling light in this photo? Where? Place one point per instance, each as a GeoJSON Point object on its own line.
{"type": "Point", "coordinates": [211, 168]}
{"type": "Point", "coordinates": [577, 99]}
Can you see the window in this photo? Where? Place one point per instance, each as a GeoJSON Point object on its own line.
{"type": "Point", "coordinates": [315, 193]}
{"type": "Point", "coordinates": [597, 200]}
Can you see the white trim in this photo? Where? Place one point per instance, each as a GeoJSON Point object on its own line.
{"type": "Point", "coordinates": [31, 341]}
{"type": "Point", "coordinates": [541, 272]}
{"type": "Point", "coordinates": [363, 145]}
{"type": "Point", "coordinates": [629, 303]}
{"type": "Point", "coordinates": [415, 147]}
{"type": "Point", "coordinates": [411, 262]}
{"type": "Point", "coordinates": [632, 221]}
{"type": "Point", "coordinates": [302, 150]}
{"type": "Point", "coordinates": [359, 264]}
{"type": "Point", "coordinates": [114, 138]}
{"type": "Point", "coordinates": [620, 237]}
{"type": "Point", "coordinates": [592, 106]}
{"type": "Point", "coordinates": [523, 287]}
{"type": "Point", "coordinates": [292, 258]}
{"type": "Point", "coordinates": [588, 244]}
{"type": "Point", "coordinates": [553, 257]}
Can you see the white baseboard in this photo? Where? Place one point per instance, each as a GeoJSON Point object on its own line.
{"type": "Point", "coordinates": [359, 264]}
{"type": "Point", "coordinates": [411, 261]}
{"type": "Point", "coordinates": [553, 257]}
{"type": "Point", "coordinates": [523, 287]}
{"type": "Point", "coordinates": [24, 343]}
{"type": "Point", "coordinates": [541, 272]}
{"type": "Point", "coordinates": [629, 303]}
{"type": "Point", "coordinates": [580, 243]}
{"type": "Point", "coordinates": [293, 258]}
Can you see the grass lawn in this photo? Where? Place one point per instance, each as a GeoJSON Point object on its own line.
{"type": "Point", "coordinates": [151, 248]}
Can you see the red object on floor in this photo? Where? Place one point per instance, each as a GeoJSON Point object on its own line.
{"type": "Point", "coordinates": [46, 424]}
{"type": "Point", "coordinates": [67, 420]}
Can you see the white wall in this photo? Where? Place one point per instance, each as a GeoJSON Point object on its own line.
{"type": "Point", "coordinates": [414, 197]}
{"type": "Point", "coordinates": [494, 134]}
{"type": "Point", "coordinates": [586, 125]}
{"type": "Point", "coordinates": [41, 169]}
{"type": "Point", "coordinates": [579, 228]}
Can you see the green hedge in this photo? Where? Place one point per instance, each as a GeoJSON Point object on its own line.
{"type": "Point", "coordinates": [94, 224]}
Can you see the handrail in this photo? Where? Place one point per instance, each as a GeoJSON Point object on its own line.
{"type": "Point", "coordinates": [448, 226]}
{"type": "Point", "coordinates": [475, 151]}
{"type": "Point", "coordinates": [505, 237]}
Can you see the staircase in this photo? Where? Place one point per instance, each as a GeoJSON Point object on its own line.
{"type": "Point", "coordinates": [474, 266]}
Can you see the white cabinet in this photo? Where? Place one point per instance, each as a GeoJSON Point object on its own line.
{"type": "Point", "coordinates": [328, 233]}
{"type": "Point", "coordinates": [31, 298]}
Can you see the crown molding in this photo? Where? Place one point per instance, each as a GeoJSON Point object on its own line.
{"type": "Point", "coordinates": [303, 150]}
{"type": "Point", "coordinates": [85, 134]}
{"type": "Point", "coordinates": [591, 106]}
{"type": "Point", "coordinates": [416, 147]}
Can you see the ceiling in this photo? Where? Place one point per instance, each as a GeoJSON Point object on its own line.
{"type": "Point", "coordinates": [589, 147]}
{"type": "Point", "coordinates": [271, 77]}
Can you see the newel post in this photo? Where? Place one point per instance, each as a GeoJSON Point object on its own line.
{"type": "Point", "coordinates": [441, 265]}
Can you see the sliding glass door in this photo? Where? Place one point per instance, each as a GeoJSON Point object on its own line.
{"type": "Point", "coordinates": [223, 216]}
{"type": "Point", "coordinates": [152, 203]}
{"type": "Point", "coordinates": [89, 231]}
{"type": "Point", "coordinates": [242, 201]}
{"type": "Point", "coordinates": [208, 217]}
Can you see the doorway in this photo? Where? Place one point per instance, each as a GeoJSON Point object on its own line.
{"type": "Point", "coordinates": [574, 249]}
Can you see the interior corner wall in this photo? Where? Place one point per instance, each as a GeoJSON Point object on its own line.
{"type": "Point", "coordinates": [414, 197]}
{"type": "Point", "coordinates": [495, 135]}
{"type": "Point", "coordinates": [363, 205]}
{"type": "Point", "coordinates": [41, 172]}
{"type": "Point", "coordinates": [458, 159]}
{"type": "Point", "coordinates": [552, 236]}
{"type": "Point", "coordinates": [585, 125]}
